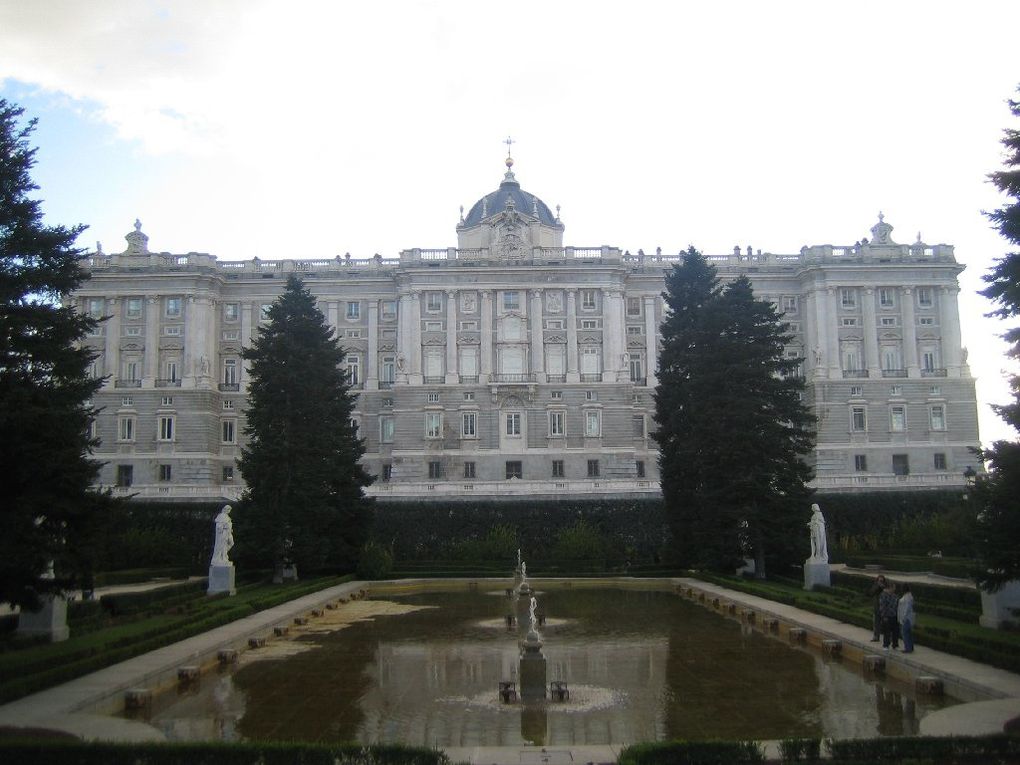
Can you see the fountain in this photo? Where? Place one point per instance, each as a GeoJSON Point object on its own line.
{"type": "Point", "coordinates": [533, 665]}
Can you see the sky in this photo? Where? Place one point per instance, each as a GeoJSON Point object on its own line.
{"type": "Point", "coordinates": [305, 129]}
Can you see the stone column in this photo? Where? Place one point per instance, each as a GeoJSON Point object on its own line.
{"type": "Point", "coordinates": [112, 329]}
{"type": "Point", "coordinates": [415, 349]}
{"type": "Point", "coordinates": [572, 373]}
{"type": "Point", "coordinates": [198, 364]}
{"type": "Point", "coordinates": [485, 368]}
{"type": "Point", "coordinates": [452, 374]}
{"type": "Point", "coordinates": [537, 337]}
{"type": "Point", "coordinates": [247, 333]}
{"type": "Point", "coordinates": [404, 338]}
{"type": "Point", "coordinates": [651, 335]}
{"type": "Point", "coordinates": [871, 361]}
{"type": "Point", "coordinates": [949, 318]}
{"type": "Point", "coordinates": [811, 367]}
{"type": "Point", "coordinates": [333, 318]}
{"type": "Point", "coordinates": [832, 333]}
{"type": "Point", "coordinates": [372, 362]}
{"type": "Point", "coordinates": [909, 332]}
{"type": "Point", "coordinates": [613, 341]}
{"type": "Point", "coordinates": [151, 371]}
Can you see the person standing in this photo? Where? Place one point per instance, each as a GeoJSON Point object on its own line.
{"type": "Point", "coordinates": [875, 593]}
{"type": "Point", "coordinates": [905, 616]}
{"type": "Point", "coordinates": [887, 611]}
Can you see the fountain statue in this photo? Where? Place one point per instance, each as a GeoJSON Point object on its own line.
{"type": "Point", "coordinates": [533, 665]}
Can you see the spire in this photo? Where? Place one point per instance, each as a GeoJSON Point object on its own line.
{"type": "Point", "coordinates": [509, 162]}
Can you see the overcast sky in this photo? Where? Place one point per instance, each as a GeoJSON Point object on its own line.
{"type": "Point", "coordinates": [311, 129]}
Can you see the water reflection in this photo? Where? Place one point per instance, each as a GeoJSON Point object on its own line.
{"type": "Point", "coordinates": [640, 666]}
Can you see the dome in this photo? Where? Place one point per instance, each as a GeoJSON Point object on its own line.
{"type": "Point", "coordinates": [525, 203]}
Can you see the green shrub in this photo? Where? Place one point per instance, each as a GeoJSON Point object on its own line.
{"type": "Point", "coordinates": [800, 749]}
{"type": "Point", "coordinates": [580, 542]}
{"type": "Point", "coordinates": [692, 753]}
{"type": "Point", "coordinates": [375, 562]}
{"type": "Point", "coordinates": [946, 749]}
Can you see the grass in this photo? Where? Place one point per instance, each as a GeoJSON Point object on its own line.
{"type": "Point", "coordinates": [29, 667]}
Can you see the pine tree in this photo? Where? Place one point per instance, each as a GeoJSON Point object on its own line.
{"type": "Point", "coordinates": [998, 493]}
{"type": "Point", "coordinates": [304, 503]}
{"type": "Point", "coordinates": [45, 385]}
{"type": "Point", "coordinates": [732, 430]}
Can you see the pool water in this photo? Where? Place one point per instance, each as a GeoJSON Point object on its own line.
{"type": "Point", "coordinates": [424, 668]}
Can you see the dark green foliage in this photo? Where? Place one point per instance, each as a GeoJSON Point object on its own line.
{"type": "Point", "coordinates": [800, 749]}
{"type": "Point", "coordinates": [732, 430]}
{"type": "Point", "coordinates": [215, 753]}
{"type": "Point", "coordinates": [977, 749]}
{"type": "Point", "coordinates": [375, 562]}
{"type": "Point", "coordinates": [45, 387]}
{"type": "Point", "coordinates": [692, 753]}
{"type": "Point", "coordinates": [304, 501]}
{"type": "Point", "coordinates": [998, 493]}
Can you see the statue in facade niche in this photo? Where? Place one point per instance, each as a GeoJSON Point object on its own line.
{"type": "Point", "coordinates": [224, 538]}
{"type": "Point", "coordinates": [819, 546]}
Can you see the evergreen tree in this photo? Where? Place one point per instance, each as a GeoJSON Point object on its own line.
{"type": "Point", "coordinates": [45, 386]}
{"type": "Point", "coordinates": [998, 493]}
{"type": "Point", "coordinates": [304, 501]}
{"type": "Point", "coordinates": [732, 431]}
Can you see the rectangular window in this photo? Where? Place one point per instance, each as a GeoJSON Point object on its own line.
{"type": "Point", "coordinates": [850, 322]}
{"type": "Point", "coordinates": [353, 369]}
{"type": "Point", "coordinates": [926, 321]}
{"type": "Point", "coordinates": [848, 297]}
{"type": "Point", "coordinates": [435, 359]}
{"type": "Point", "coordinates": [165, 472]}
{"type": "Point", "coordinates": [166, 401]}
{"type": "Point", "coordinates": [557, 469]}
{"type": "Point", "coordinates": [132, 370]}
{"type": "Point", "coordinates": [635, 329]}
{"type": "Point", "coordinates": [127, 401]}
{"type": "Point", "coordinates": [640, 466]}
{"type": "Point", "coordinates": [887, 297]}
{"type": "Point", "coordinates": [938, 417]}
{"type": "Point", "coordinates": [556, 424]}
{"type": "Point", "coordinates": [172, 307]}
{"type": "Point", "coordinates": [637, 425]}
{"type": "Point", "coordinates": [432, 398]}
{"type": "Point", "coordinates": [513, 423]}
{"type": "Point", "coordinates": [468, 423]}
{"type": "Point", "coordinates": [230, 371]}
{"type": "Point", "coordinates": [125, 475]}
{"type": "Point", "coordinates": [353, 310]}
{"type": "Point", "coordinates": [590, 360]}
{"type": "Point", "coordinates": [231, 334]}
{"type": "Point", "coordinates": [433, 424]}
{"type": "Point", "coordinates": [589, 323]}
{"type": "Point", "coordinates": [433, 302]}
{"type": "Point", "coordinates": [134, 308]}
{"type": "Point", "coordinates": [386, 429]}
{"type": "Point", "coordinates": [896, 390]}
{"type": "Point", "coordinates": [924, 297]}
{"type": "Point", "coordinates": [588, 300]}
{"type": "Point", "coordinates": [469, 470]}
{"type": "Point", "coordinates": [554, 323]}
{"type": "Point", "coordinates": [126, 429]}
{"type": "Point", "coordinates": [95, 307]}
{"type": "Point", "coordinates": [388, 309]}
{"type": "Point", "coordinates": [900, 464]}
{"type": "Point", "coordinates": [633, 306]}
{"type": "Point", "coordinates": [433, 326]}
{"type": "Point", "coordinates": [861, 463]}
{"type": "Point", "coordinates": [352, 334]}
{"type": "Point", "coordinates": [228, 473]}
{"type": "Point", "coordinates": [897, 419]}
{"type": "Point", "coordinates": [387, 471]}
{"type": "Point", "coordinates": [514, 469]}
{"type": "Point", "coordinates": [229, 431]}
{"type": "Point", "coordinates": [593, 423]}
{"type": "Point", "coordinates": [888, 321]}
{"type": "Point", "coordinates": [388, 372]}
{"type": "Point", "coordinates": [469, 396]}
{"type": "Point", "coordinates": [556, 395]}
{"type": "Point", "coordinates": [468, 326]}
{"type": "Point", "coordinates": [940, 461]}
{"type": "Point", "coordinates": [171, 371]}
{"type": "Point", "coordinates": [166, 427]}
{"type": "Point", "coordinates": [174, 330]}
{"type": "Point", "coordinates": [593, 468]}
{"type": "Point", "coordinates": [858, 419]}
{"type": "Point", "coordinates": [435, 469]}
{"type": "Point", "coordinates": [231, 311]}
{"type": "Point", "coordinates": [590, 395]}
{"type": "Point", "coordinates": [228, 403]}
{"type": "Point", "coordinates": [636, 364]}
{"type": "Point", "coordinates": [935, 390]}
{"type": "Point", "coordinates": [511, 300]}
{"type": "Point", "coordinates": [891, 359]}
{"type": "Point", "coordinates": [928, 361]}
{"type": "Point", "coordinates": [790, 304]}
{"type": "Point", "coordinates": [856, 391]}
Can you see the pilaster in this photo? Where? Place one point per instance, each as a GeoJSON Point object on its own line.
{"type": "Point", "coordinates": [949, 319]}
{"type": "Point", "coordinates": [573, 375]}
{"type": "Point", "coordinates": [372, 362]}
{"type": "Point", "coordinates": [909, 332]}
{"type": "Point", "coordinates": [151, 370]}
{"type": "Point", "coordinates": [485, 369]}
{"type": "Point", "coordinates": [452, 374]}
{"type": "Point", "coordinates": [112, 329]}
{"type": "Point", "coordinates": [651, 334]}
{"type": "Point", "coordinates": [537, 337]}
{"type": "Point", "coordinates": [871, 360]}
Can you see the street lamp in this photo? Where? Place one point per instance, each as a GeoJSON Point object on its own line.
{"type": "Point", "coordinates": [970, 475]}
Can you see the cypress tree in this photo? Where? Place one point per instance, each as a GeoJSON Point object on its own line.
{"type": "Point", "coordinates": [304, 502]}
{"type": "Point", "coordinates": [45, 386]}
{"type": "Point", "coordinates": [998, 493]}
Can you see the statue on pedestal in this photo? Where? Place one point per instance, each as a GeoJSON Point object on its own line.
{"type": "Point", "coordinates": [819, 546]}
{"type": "Point", "coordinates": [224, 538]}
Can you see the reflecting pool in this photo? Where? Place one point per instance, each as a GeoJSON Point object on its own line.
{"type": "Point", "coordinates": [641, 665]}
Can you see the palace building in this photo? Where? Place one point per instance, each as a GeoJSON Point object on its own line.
{"type": "Point", "coordinates": [512, 365]}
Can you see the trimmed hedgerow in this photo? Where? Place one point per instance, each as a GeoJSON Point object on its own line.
{"type": "Point", "coordinates": [692, 753]}
{"type": "Point", "coordinates": [996, 748]}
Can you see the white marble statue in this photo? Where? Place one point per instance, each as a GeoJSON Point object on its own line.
{"type": "Point", "coordinates": [533, 615]}
{"type": "Point", "coordinates": [224, 538]}
{"type": "Point", "coordinates": [819, 548]}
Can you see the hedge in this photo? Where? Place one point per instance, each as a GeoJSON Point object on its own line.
{"type": "Point", "coordinates": [215, 753]}
{"type": "Point", "coordinates": [997, 748]}
{"type": "Point", "coordinates": [954, 597]}
{"type": "Point", "coordinates": [692, 753]}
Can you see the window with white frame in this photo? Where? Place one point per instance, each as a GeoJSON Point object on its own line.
{"type": "Point", "coordinates": [435, 359]}
{"type": "Point", "coordinates": [352, 334]}
{"type": "Point", "coordinates": [513, 423]}
{"type": "Point", "coordinates": [887, 297]}
{"type": "Point", "coordinates": [127, 401]}
{"type": "Point", "coordinates": [231, 311]}
{"type": "Point", "coordinates": [95, 307]}
{"type": "Point", "coordinates": [133, 309]}
{"type": "Point", "coordinates": [353, 310]}
{"type": "Point", "coordinates": [469, 424]}
{"type": "Point", "coordinates": [386, 429]}
{"type": "Point", "coordinates": [171, 370]}
{"type": "Point", "coordinates": [896, 390]}
{"type": "Point", "coordinates": [938, 417]}
{"type": "Point", "coordinates": [469, 396]}
{"type": "Point", "coordinates": [589, 323]}
{"type": "Point", "coordinates": [590, 395]}
{"type": "Point", "coordinates": [433, 326]}
{"type": "Point", "coordinates": [126, 428]}
{"type": "Point", "coordinates": [590, 361]}
{"type": "Point", "coordinates": [851, 358]}
{"type": "Point", "coordinates": [935, 390]}
{"type": "Point", "coordinates": [848, 297]}
{"type": "Point", "coordinates": [166, 401]}
{"type": "Point", "coordinates": [388, 309]}
{"type": "Point", "coordinates": [173, 330]}
{"type": "Point", "coordinates": [172, 307]}
{"type": "Point", "coordinates": [230, 371]}
{"type": "Point", "coordinates": [554, 323]}
{"type": "Point", "coordinates": [511, 300]}
{"type": "Point", "coordinates": [861, 463]}
{"type": "Point", "coordinates": [588, 300]}
{"type": "Point", "coordinates": [856, 391]}
{"type": "Point", "coordinates": [633, 306]}
{"type": "Point", "coordinates": [468, 326]}
{"type": "Point", "coordinates": [388, 369]}
{"type": "Point", "coordinates": [929, 361]}
{"type": "Point", "coordinates": [432, 398]}
{"type": "Point", "coordinates": [926, 321]}
{"type": "Point", "coordinates": [850, 321]}
{"type": "Point", "coordinates": [897, 419]}
{"type": "Point", "coordinates": [229, 431]}
{"type": "Point", "coordinates": [353, 365]}
{"type": "Point", "coordinates": [636, 363]}
{"type": "Point", "coordinates": [433, 302]}
{"type": "Point", "coordinates": [228, 404]}
{"type": "Point", "coordinates": [891, 358]}
{"type": "Point", "coordinates": [132, 330]}
{"type": "Point", "coordinates": [132, 369]}
{"type": "Point", "coordinates": [924, 299]}
{"type": "Point", "coordinates": [556, 395]}
{"type": "Point", "coordinates": [433, 424]}
{"type": "Point", "coordinates": [939, 461]}
{"type": "Point", "coordinates": [592, 423]}
{"type": "Point", "coordinates": [557, 424]}
{"type": "Point", "coordinates": [165, 429]}
{"type": "Point", "coordinates": [858, 419]}
{"type": "Point", "coordinates": [555, 359]}
{"type": "Point", "coordinates": [468, 358]}
{"type": "Point", "coordinates": [888, 321]}
{"type": "Point", "coordinates": [790, 304]}
{"type": "Point", "coordinates": [231, 334]}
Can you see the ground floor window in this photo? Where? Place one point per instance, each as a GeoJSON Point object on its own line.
{"type": "Point", "coordinates": [514, 469]}
{"type": "Point", "coordinates": [557, 468]}
{"type": "Point", "coordinates": [593, 468]}
{"type": "Point", "coordinates": [125, 475]}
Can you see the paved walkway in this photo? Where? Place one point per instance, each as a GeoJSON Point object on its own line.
{"type": "Point", "coordinates": [81, 706]}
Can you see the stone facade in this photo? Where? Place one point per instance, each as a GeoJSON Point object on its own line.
{"type": "Point", "coordinates": [513, 365]}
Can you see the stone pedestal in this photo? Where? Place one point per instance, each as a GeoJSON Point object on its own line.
{"type": "Point", "coordinates": [221, 579]}
{"type": "Point", "coordinates": [285, 574]}
{"type": "Point", "coordinates": [1002, 607]}
{"type": "Point", "coordinates": [816, 574]}
{"type": "Point", "coordinates": [50, 621]}
{"type": "Point", "coordinates": [533, 669]}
